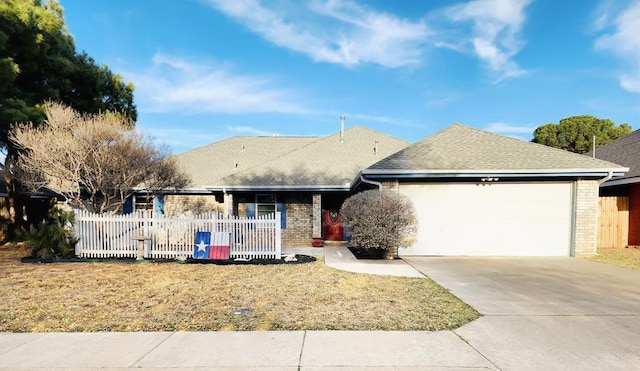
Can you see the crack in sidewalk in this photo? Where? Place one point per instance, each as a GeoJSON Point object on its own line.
{"type": "Point", "coordinates": [304, 337]}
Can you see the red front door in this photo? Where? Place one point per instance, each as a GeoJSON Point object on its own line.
{"type": "Point", "coordinates": [332, 226]}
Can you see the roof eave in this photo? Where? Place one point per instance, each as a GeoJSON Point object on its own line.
{"type": "Point", "coordinates": [283, 188]}
{"type": "Point", "coordinates": [624, 181]}
{"type": "Point", "coordinates": [423, 173]}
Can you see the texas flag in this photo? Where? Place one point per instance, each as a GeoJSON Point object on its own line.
{"type": "Point", "coordinates": [219, 246]}
{"type": "Point", "coordinates": [202, 243]}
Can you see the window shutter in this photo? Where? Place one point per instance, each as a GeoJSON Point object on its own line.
{"type": "Point", "coordinates": [282, 208]}
{"type": "Point", "coordinates": [158, 205]}
{"type": "Point", "coordinates": [127, 208]}
{"type": "Point", "coordinates": [251, 210]}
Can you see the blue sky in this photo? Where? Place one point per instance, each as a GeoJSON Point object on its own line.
{"type": "Point", "coordinates": [205, 70]}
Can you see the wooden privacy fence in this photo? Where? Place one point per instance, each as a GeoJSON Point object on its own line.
{"type": "Point", "coordinates": [110, 236]}
{"type": "Point", "coordinates": [613, 221]}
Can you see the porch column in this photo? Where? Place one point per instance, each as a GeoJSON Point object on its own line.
{"type": "Point", "coordinates": [317, 215]}
{"type": "Point", "coordinates": [228, 204]}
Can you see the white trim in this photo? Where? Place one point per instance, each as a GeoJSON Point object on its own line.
{"type": "Point", "coordinates": [493, 171]}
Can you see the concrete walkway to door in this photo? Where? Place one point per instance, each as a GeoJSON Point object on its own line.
{"type": "Point", "coordinates": [545, 313]}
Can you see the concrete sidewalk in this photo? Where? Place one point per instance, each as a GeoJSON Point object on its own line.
{"type": "Point", "coordinates": [341, 258]}
{"type": "Point", "coordinates": [268, 350]}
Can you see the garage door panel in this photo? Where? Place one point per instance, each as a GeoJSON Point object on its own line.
{"type": "Point", "coordinates": [503, 219]}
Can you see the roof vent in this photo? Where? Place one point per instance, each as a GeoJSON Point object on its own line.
{"type": "Point", "coordinates": [375, 148]}
{"type": "Point", "coordinates": [342, 128]}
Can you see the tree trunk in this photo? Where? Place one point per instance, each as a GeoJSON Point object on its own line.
{"type": "Point", "coordinates": [390, 253]}
{"type": "Point", "coordinates": [15, 204]}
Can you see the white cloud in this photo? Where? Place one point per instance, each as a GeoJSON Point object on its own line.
{"type": "Point", "coordinates": [249, 130]}
{"type": "Point", "coordinates": [382, 119]}
{"type": "Point", "coordinates": [174, 84]}
{"type": "Point", "coordinates": [180, 140]}
{"type": "Point", "coordinates": [624, 42]}
{"type": "Point", "coordinates": [517, 131]}
{"type": "Point", "coordinates": [332, 31]}
{"type": "Point", "coordinates": [495, 33]}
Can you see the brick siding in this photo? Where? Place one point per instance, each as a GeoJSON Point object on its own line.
{"type": "Point", "coordinates": [586, 218]}
{"type": "Point", "coordinates": [186, 205]}
{"type": "Point", "coordinates": [299, 231]}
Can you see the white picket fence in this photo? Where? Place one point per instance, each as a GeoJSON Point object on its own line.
{"type": "Point", "coordinates": [112, 236]}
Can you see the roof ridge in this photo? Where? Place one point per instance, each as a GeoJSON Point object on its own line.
{"type": "Point", "coordinates": [369, 130]}
{"type": "Point", "coordinates": [251, 137]}
{"type": "Point", "coordinates": [521, 140]}
{"type": "Point", "coordinates": [318, 138]}
{"type": "Point", "coordinates": [311, 143]}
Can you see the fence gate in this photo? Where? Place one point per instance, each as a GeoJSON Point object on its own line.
{"type": "Point", "coordinates": [613, 221]}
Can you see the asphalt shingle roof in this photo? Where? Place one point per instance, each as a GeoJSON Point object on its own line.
{"type": "Point", "coordinates": [287, 161]}
{"type": "Point", "coordinates": [460, 148]}
{"type": "Point", "coordinates": [624, 151]}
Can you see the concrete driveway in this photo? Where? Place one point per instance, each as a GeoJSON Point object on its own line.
{"type": "Point", "coordinates": [545, 313]}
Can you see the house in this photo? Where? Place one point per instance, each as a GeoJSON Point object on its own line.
{"type": "Point", "coordinates": [475, 192]}
{"type": "Point", "coordinates": [305, 178]}
{"type": "Point", "coordinates": [479, 193]}
{"type": "Point", "coordinates": [625, 151]}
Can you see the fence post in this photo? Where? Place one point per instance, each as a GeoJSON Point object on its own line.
{"type": "Point", "coordinates": [76, 229]}
{"type": "Point", "coordinates": [278, 235]}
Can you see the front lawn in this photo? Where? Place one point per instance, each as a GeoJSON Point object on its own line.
{"type": "Point", "coordinates": [621, 257]}
{"type": "Point", "coordinates": [195, 297]}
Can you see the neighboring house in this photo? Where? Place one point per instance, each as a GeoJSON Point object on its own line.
{"type": "Point", "coordinates": [479, 193]}
{"type": "Point", "coordinates": [625, 151]}
{"type": "Point", "coordinates": [305, 178]}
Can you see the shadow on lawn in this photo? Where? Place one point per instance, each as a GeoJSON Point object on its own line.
{"type": "Point", "coordinates": [300, 259]}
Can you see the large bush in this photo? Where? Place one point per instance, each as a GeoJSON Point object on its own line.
{"type": "Point", "coordinates": [54, 238]}
{"type": "Point", "coordinates": [381, 220]}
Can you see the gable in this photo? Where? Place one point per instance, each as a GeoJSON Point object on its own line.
{"type": "Point", "coordinates": [461, 149]}
{"type": "Point", "coordinates": [288, 162]}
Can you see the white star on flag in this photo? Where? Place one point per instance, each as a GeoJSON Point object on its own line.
{"type": "Point", "coordinates": [202, 246]}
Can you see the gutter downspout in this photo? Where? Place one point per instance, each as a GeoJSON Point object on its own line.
{"type": "Point", "coordinates": [609, 176]}
{"type": "Point", "coordinates": [378, 184]}
{"type": "Point", "coordinates": [600, 181]}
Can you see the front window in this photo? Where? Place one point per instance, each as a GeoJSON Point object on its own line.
{"type": "Point", "coordinates": [265, 205]}
{"type": "Point", "coordinates": [143, 202]}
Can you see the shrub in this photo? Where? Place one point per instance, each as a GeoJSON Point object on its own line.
{"type": "Point", "coordinates": [54, 238]}
{"type": "Point", "coordinates": [380, 219]}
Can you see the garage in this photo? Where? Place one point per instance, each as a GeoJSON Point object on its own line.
{"type": "Point", "coordinates": [481, 194]}
{"type": "Point", "coordinates": [498, 219]}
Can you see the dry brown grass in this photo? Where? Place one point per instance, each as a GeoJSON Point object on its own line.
{"type": "Point", "coordinates": [621, 257]}
{"type": "Point", "coordinates": [190, 297]}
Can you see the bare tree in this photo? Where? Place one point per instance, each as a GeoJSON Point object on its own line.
{"type": "Point", "coordinates": [95, 161]}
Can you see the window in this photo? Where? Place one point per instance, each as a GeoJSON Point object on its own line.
{"type": "Point", "coordinates": [143, 202]}
{"type": "Point", "coordinates": [265, 204]}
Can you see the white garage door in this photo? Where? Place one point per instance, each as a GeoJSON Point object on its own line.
{"type": "Point", "coordinates": [500, 219]}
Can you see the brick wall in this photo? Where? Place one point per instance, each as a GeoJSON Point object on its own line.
{"type": "Point", "coordinates": [634, 215]}
{"type": "Point", "coordinates": [392, 185]}
{"type": "Point", "coordinates": [183, 205]}
{"type": "Point", "coordinates": [299, 231]}
{"type": "Point", "coordinates": [317, 215]}
{"type": "Point", "coordinates": [586, 219]}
